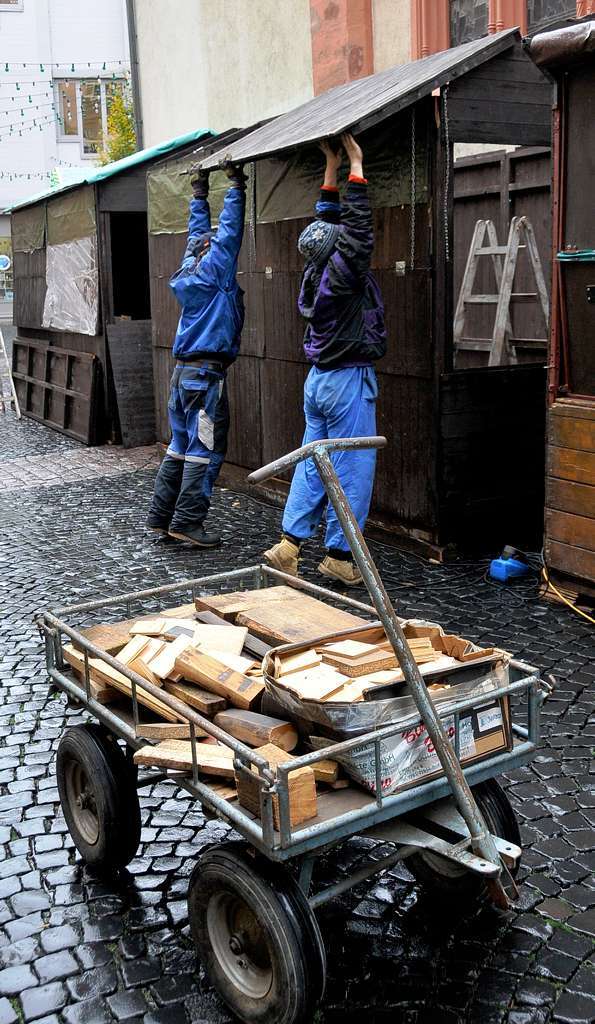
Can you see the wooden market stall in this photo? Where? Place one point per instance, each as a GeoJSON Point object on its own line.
{"type": "Point", "coordinates": [464, 465]}
{"type": "Point", "coordinates": [82, 356]}
{"type": "Point", "coordinates": [568, 55]}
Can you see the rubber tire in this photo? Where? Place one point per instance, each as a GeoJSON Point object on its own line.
{"type": "Point", "coordinates": [501, 821]}
{"type": "Point", "coordinates": [294, 943]}
{"type": "Point", "coordinates": [113, 782]}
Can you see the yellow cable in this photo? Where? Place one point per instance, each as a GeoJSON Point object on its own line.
{"type": "Point", "coordinates": [562, 598]}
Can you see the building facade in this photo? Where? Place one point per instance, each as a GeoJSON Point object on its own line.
{"type": "Point", "coordinates": [235, 63]}
{"type": "Point", "coordinates": [61, 65]}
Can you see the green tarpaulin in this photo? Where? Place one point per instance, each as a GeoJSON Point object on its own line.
{"type": "Point", "coordinates": [169, 192]}
{"type": "Point", "coordinates": [28, 229]}
{"type": "Point", "coordinates": [71, 216]}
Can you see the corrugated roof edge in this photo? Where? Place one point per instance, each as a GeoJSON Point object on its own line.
{"type": "Point", "coordinates": [427, 74]}
{"type": "Point", "coordinates": [117, 167]}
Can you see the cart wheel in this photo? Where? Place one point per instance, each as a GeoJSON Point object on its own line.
{"type": "Point", "coordinates": [98, 795]}
{"type": "Point", "coordinates": [447, 879]}
{"type": "Point", "coordinates": [256, 935]}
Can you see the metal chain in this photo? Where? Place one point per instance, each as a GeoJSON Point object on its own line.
{"type": "Point", "coordinates": [413, 189]}
{"type": "Point", "coordinates": [446, 173]}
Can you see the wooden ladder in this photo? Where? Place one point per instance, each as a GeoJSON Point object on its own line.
{"type": "Point", "coordinates": [502, 345]}
{"type": "Point", "coordinates": [8, 393]}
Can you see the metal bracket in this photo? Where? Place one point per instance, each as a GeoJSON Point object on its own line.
{"type": "Point", "coordinates": [402, 833]}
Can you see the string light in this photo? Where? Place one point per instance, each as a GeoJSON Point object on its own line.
{"type": "Point", "coordinates": [64, 64]}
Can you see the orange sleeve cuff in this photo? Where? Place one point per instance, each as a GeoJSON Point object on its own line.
{"type": "Point", "coordinates": [329, 188]}
{"type": "Point", "coordinates": [360, 181]}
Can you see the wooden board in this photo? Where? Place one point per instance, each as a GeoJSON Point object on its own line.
{"type": "Point", "coordinates": [326, 771]}
{"type": "Point", "coordinates": [298, 663]}
{"type": "Point", "coordinates": [177, 754]}
{"type": "Point", "coordinates": [377, 661]}
{"type": "Point", "coordinates": [301, 786]}
{"type": "Point", "coordinates": [567, 464]}
{"type": "Point", "coordinates": [165, 731]}
{"type": "Point", "coordinates": [100, 691]}
{"type": "Point", "coordinates": [226, 638]}
{"type": "Point", "coordinates": [207, 703]}
{"type": "Point", "coordinates": [112, 636]}
{"type": "Point", "coordinates": [255, 729]}
{"type": "Point", "coordinates": [104, 673]}
{"type": "Point", "coordinates": [163, 665]}
{"type": "Point", "coordinates": [317, 684]}
{"type": "Point", "coordinates": [140, 664]}
{"type": "Point", "coordinates": [279, 614]}
{"type": "Point", "coordinates": [240, 690]}
{"type": "Point", "coordinates": [148, 627]}
{"type": "Point", "coordinates": [254, 646]}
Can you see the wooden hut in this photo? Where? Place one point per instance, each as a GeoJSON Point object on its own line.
{"type": "Point", "coordinates": [568, 54]}
{"type": "Point", "coordinates": [82, 356]}
{"type": "Point", "coordinates": [464, 464]}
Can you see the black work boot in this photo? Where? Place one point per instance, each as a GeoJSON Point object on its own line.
{"type": "Point", "coordinates": [158, 525]}
{"type": "Point", "coordinates": [196, 535]}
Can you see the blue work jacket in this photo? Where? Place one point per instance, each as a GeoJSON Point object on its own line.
{"type": "Point", "coordinates": [211, 299]}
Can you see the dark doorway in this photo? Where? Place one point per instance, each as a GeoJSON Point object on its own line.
{"type": "Point", "coordinates": [130, 266]}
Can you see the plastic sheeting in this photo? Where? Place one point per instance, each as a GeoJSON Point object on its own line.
{"type": "Point", "coordinates": [169, 193]}
{"type": "Point", "coordinates": [71, 300]}
{"type": "Point", "coordinates": [400, 757]}
{"type": "Point", "coordinates": [287, 188]}
{"type": "Point", "coordinates": [28, 229]}
{"type": "Point", "coordinates": [71, 217]}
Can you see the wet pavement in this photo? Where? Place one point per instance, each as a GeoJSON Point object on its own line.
{"type": "Point", "coordinates": [78, 948]}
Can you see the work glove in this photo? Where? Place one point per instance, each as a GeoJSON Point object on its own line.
{"type": "Point", "coordinates": [200, 185]}
{"type": "Point", "coordinates": [235, 173]}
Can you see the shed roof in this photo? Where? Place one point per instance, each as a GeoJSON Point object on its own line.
{"type": "Point", "coordinates": [97, 174]}
{"type": "Point", "coordinates": [366, 101]}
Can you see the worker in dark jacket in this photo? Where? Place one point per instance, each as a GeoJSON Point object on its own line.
{"type": "Point", "coordinates": [206, 343]}
{"type": "Point", "coordinates": [345, 335]}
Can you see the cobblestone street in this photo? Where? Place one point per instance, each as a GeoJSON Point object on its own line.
{"type": "Point", "coordinates": [79, 949]}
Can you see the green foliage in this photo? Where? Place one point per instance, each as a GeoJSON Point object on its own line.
{"type": "Point", "coordinates": [121, 137]}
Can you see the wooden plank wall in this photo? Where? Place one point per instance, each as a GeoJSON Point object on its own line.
{"type": "Point", "coordinates": [570, 495]}
{"type": "Point", "coordinates": [498, 186]}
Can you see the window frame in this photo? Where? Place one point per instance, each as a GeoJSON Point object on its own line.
{"type": "Point", "coordinates": [17, 5]}
{"type": "Point", "coordinates": [78, 80]}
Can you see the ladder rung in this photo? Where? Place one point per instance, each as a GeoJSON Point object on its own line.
{"type": "Point", "coordinates": [494, 250]}
{"type": "Point", "coordinates": [494, 299]}
{"type": "Point", "coordinates": [474, 344]}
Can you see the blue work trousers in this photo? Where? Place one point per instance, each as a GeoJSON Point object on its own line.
{"type": "Point", "coordinates": [337, 403]}
{"type": "Point", "coordinates": [198, 413]}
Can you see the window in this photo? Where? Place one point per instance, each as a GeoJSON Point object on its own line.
{"type": "Point", "coordinates": [11, 5]}
{"type": "Point", "coordinates": [83, 108]}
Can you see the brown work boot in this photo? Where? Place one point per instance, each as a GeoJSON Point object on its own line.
{"type": "Point", "coordinates": [345, 572]}
{"type": "Point", "coordinates": [283, 556]}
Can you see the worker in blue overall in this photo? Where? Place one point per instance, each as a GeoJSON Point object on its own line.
{"type": "Point", "coordinates": [207, 342]}
{"type": "Point", "coordinates": [345, 335]}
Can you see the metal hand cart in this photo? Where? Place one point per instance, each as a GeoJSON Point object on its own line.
{"type": "Point", "coordinates": [252, 902]}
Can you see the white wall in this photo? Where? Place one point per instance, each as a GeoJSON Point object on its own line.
{"type": "Point", "coordinates": [43, 33]}
{"type": "Point", "coordinates": [221, 64]}
{"type": "Point", "coordinates": [392, 33]}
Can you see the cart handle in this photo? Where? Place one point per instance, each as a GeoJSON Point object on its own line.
{"type": "Point", "coordinates": [307, 450]}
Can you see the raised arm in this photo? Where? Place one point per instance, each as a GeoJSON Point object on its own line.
{"type": "Point", "coordinates": [199, 221]}
{"type": "Point", "coordinates": [328, 206]}
{"type": "Point", "coordinates": [356, 239]}
{"type": "Point", "coordinates": [222, 259]}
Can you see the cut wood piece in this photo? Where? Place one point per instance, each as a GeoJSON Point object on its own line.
{"type": "Point", "coordinates": [133, 648]}
{"type": "Point", "coordinates": [251, 644]}
{"type": "Point", "coordinates": [314, 685]}
{"type": "Point", "coordinates": [226, 637]}
{"type": "Point", "coordinates": [226, 790]}
{"type": "Point", "coordinates": [140, 664]}
{"type": "Point", "coordinates": [374, 662]}
{"type": "Point", "coordinates": [230, 605]}
{"type": "Point", "coordinates": [147, 627]}
{"type": "Point", "coordinates": [296, 621]}
{"type": "Point", "coordinates": [100, 691]}
{"type": "Point", "coordinates": [178, 629]}
{"type": "Point", "coordinates": [177, 754]}
{"type": "Point", "coordinates": [112, 636]}
{"type": "Point", "coordinates": [237, 662]}
{"type": "Point", "coordinates": [102, 672]}
{"type": "Point", "coordinates": [242, 691]}
{"type": "Point", "coordinates": [349, 648]}
{"type": "Point", "coordinates": [163, 664]}
{"type": "Point", "coordinates": [301, 787]}
{"type": "Point", "coordinates": [255, 729]}
{"type": "Point", "coordinates": [326, 771]}
{"type": "Point", "coordinates": [165, 731]}
{"type": "Point", "coordinates": [207, 703]}
{"type": "Point", "coordinates": [298, 663]}
{"type": "Point", "coordinates": [350, 693]}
